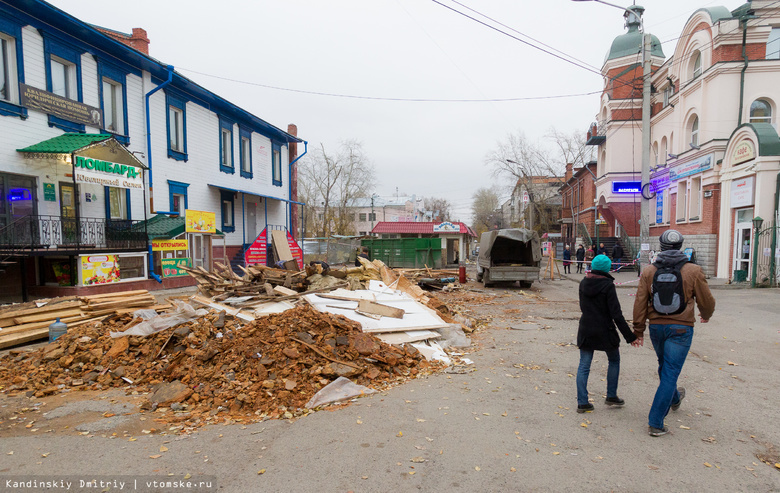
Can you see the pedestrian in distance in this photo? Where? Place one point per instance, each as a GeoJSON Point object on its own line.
{"type": "Point", "coordinates": [589, 254]}
{"type": "Point", "coordinates": [566, 259]}
{"type": "Point", "coordinates": [580, 253]}
{"type": "Point", "coordinates": [363, 253]}
{"type": "Point", "coordinates": [602, 250]}
{"type": "Point", "coordinates": [667, 292]}
{"type": "Point", "coordinates": [617, 256]}
{"type": "Point", "coordinates": [601, 314]}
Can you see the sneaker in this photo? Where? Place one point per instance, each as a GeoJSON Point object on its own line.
{"type": "Point", "coordinates": [615, 401]}
{"type": "Point", "coordinates": [681, 391]}
{"type": "Point", "coordinates": [585, 408]}
{"type": "Point", "coordinates": [657, 432]}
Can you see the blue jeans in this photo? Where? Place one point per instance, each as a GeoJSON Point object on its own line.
{"type": "Point", "coordinates": [671, 343]}
{"type": "Point", "coordinates": [613, 372]}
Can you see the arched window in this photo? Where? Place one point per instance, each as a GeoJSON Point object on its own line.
{"type": "Point", "coordinates": [655, 153]}
{"type": "Point", "coordinates": [696, 64]}
{"type": "Point", "coordinates": [760, 111]}
{"type": "Point", "coordinates": [695, 131]}
{"type": "Point", "coordinates": [663, 151]}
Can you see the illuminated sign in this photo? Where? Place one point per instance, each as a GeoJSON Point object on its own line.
{"type": "Point", "coordinates": [626, 186]}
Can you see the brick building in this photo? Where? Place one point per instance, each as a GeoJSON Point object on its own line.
{"type": "Point", "coordinates": [715, 148]}
{"type": "Point", "coordinates": [578, 195]}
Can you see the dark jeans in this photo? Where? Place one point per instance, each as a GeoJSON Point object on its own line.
{"type": "Point", "coordinates": [580, 263]}
{"type": "Point", "coordinates": [615, 262]}
{"type": "Point", "coordinates": [671, 343]}
{"type": "Point", "coordinates": [613, 372]}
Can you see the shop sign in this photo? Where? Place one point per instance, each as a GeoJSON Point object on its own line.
{"type": "Point", "coordinates": [53, 104]}
{"type": "Point", "coordinates": [106, 173]}
{"type": "Point", "coordinates": [659, 208]}
{"type": "Point", "coordinates": [742, 192]}
{"type": "Point", "coordinates": [172, 267]}
{"type": "Point", "coordinates": [659, 183]}
{"type": "Point", "coordinates": [446, 227]}
{"type": "Point", "coordinates": [99, 269]}
{"type": "Point", "coordinates": [745, 151]}
{"type": "Point", "coordinates": [200, 221]}
{"type": "Point", "coordinates": [691, 168]}
{"type": "Point", "coordinates": [257, 253]}
{"type": "Point", "coordinates": [49, 192]}
{"type": "Point", "coordinates": [160, 245]}
{"type": "Point", "coordinates": [626, 186]}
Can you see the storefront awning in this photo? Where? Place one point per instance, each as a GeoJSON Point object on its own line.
{"type": "Point", "coordinates": [97, 146]}
{"type": "Point", "coordinates": [246, 192]}
{"type": "Point", "coordinates": [162, 226]}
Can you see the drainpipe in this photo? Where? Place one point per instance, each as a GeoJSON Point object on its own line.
{"type": "Point", "coordinates": [742, 73]}
{"type": "Point", "coordinates": [154, 276]}
{"type": "Point", "coordinates": [290, 168]}
{"type": "Point", "coordinates": [243, 228]}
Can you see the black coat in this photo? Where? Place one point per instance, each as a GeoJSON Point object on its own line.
{"type": "Point", "coordinates": [580, 254]}
{"type": "Point", "coordinates": [617, 251]}
{"type": "Point", "coordinates": [600, 313]}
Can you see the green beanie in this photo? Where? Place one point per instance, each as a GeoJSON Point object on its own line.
{"type": "Point", "coordinates": [602, 263]}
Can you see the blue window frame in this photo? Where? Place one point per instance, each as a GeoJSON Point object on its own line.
{"type": "Point", "coordinates": [11, 66]}
{"type": "Point", "coordinates": [117, 202]}
{"type": "Point", "coordinates": [226, 164]}
{"type": "Point", "coordinates": [276, 164]}
{"type": "Point", "coordinates": [228, 213]}
{"type": "Point", "coordinates": [113, 101]}
{"type": "Point", "coordinates": [245, 151]}
{"type": "Point", "coordinates": [176, 120]}
{"type": "Point", "coordinates": [63, 77]}
{"type": "Point", "coordinates": [177, 196]}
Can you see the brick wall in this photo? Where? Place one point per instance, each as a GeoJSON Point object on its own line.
{"type": "Point", "coordinates": [731, 53]}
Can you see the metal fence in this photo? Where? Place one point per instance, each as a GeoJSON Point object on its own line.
{"type": "Point", "coordinates": [768, 254]}
{"type": "Point", "coordinates": [331, 250]}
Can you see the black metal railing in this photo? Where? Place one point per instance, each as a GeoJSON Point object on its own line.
{"type": "Point", "coordinates": [36, 233]}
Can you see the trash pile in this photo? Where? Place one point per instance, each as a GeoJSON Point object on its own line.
{"type": "Point", "coordinates": [246, 349]}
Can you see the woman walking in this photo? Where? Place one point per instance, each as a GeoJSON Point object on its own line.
{"type": "Point", "coordinates": [600, 313]}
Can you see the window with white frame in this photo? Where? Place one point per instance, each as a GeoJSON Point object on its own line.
{"type": "Point", "coordinates": [117, 203]}
{"type": "Point", "coordinates": [694, 200]}
{"type": "Point", "coordinates": [227, 213]}
{"type": "Point", "coordinates": [227, 148]}
{"type": "Point", "coordinates": [760, 111]}
{"type": "Point", "coordinates": [277, 165]}
{"type": "Point", "coordinates": [8, 75]}
{"type": "Point", "coordinates": [682, 200]}
{"type": "Point", "coordinates": [176, 128]}
{"type": "Point", "coordinates": [773, 44]}
{"type": "Point", "coordinates": [178, 203]}
{"type": "Point", "coordinates": [696, 64]}
{"type": "Point", "coordinates": [695, 131]}
{"type": "Point", "coordinates": [113, 106]}
{"type": "Point", "coordinates": [246, 153]}
{"type": "Point", "coordinates": [667, 95]}
{"type": "Point", "coordinates": [63, 78]}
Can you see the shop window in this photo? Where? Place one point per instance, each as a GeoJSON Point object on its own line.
{"type": "Point", "coordinates": [227, 211]}
{"type": "Point", "coordinates": [177, 128]}
{"type": "Point", "coordinates": [277, 165]}
{"type": "Point", "coordinates": [117, 203]}
{"type": "Point", "coordinates": [682, 200]}
{"type": "Point", "coordinates": [246, 152]}
{"type": "Point", "coordinates": [760, 111]}
{"type": "Point", "coordinates": [132, 267]}
{"type": "Point", "coordinates": [226, 146]}
{"type": "Point", "coordinates": [694, 211]}
{"type": "Point", "coordinates": [177, 195]}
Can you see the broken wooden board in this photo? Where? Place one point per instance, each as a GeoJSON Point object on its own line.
{"type": "Point", "coordinates": [408, 336]}
{"type": "Point", "coordinates": [235, 312]}
{"type": "Point", "coordinates": [366, 306]}
{"type": "Point", "coordinates": [281, 246]}
{"type": "Point", "coordinates": [284, 291]}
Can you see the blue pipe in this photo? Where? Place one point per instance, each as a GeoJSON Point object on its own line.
{"type": "Point", "coordinates": [154, 276]}
{"type": "Point", "coordinates": [243, 227]}
{"type": "Point", "coordinates": [290, 168]}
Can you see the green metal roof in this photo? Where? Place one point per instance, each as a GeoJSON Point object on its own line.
{"type": "Point", "coordinates": [741, 11]}
{"type": "Point", "coordinates": [162, 226]}
{"type": "Point", "coordinates": [630, 43]}
{"type": "Point", "coordinates": [717, 13]}
{"type": "Point", "coordinates": [66, 143]}
{"type": "Point", "coordinates": [768, 140]}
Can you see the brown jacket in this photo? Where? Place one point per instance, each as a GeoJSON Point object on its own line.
{"type": "Point", "coordinates": [694, 287]}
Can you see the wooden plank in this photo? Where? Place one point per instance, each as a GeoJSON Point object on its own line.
{"type": "Point", "coordinates": [373, 307]}
{"type": "Point", "coordinates": [284, 291]}
{"type": "Point", "coordinates": [47, 316]}
{"type": "Point", "coordinates": [117, 294]}
{"type": "Point", "coordinates": [37, 325]}
{"type": "Point", "coordinates": [29, 336]}
{"type": "Point", "coordinates": [130, 301]}
{"type": "Point", "coordinates": [280, 245]}
{"type": "Point", "coordinates": [34, 311]}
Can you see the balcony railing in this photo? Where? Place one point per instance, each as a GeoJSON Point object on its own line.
{"type": "Point", "coordinates": [31, 234]}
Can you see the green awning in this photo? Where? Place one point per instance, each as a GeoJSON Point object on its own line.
{"type": "Point", "coordinates": [162, 226]}
{"type": "Point", "coordinates": [100, 146]}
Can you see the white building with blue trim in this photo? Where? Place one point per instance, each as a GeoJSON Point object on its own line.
{"type": "Point", "coordinates": [71, 90]}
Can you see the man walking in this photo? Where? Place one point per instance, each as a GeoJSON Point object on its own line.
{"type": "Point", "coordinates": [617, 256]}
{"type": "Point", "coordinates": [665, 297]}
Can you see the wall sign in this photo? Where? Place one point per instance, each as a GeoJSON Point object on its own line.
{"type": "Point", "coordinates": [742, 192]}
{"type": "Point", "coordinates": [200, 221]}
{"type": "Point", "coordinates": [106, 173]}
{"type": "Point", "coordinates": [659, 208]}
{"type": "Point", "coordinates": [48, 102]}
{"type": "Point", "coordinates": [49, 192]}
{"type": "Point", "coordinates": [257, 253]}
{"type": "Point", "coordinates": [745, 151]}
{"type": "Point", "coordinates": [691, 167]}
{"type": "Point", "coordinates": [99, 269]}
{"type": "Point", "coordinates": [172, 267]}
{"type": "Point", "coordinates": [160, 245]}
{"type": "Point", "coordinates": [626, 186]}
{"type": "Point", "coordinates": [446, 227]}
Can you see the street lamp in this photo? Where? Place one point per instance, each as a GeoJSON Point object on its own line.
{"type": "Point", "coordinates": [632, 14]}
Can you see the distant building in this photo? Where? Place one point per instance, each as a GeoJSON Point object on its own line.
{"type": "Point", "coordinates": [578, 211]}
{"type": "Point", "coordinates": [457, 239]}
{"type": "Point", "coordinates": [534, 204]}
{"type": "Point", "coordinates": [363, 213]}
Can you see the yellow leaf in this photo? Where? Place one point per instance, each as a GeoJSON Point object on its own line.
{"type": "Point", "coordinates": [131, 439]}
{"type": "Point", "coordinates": [556, 453]}
{"type": "Point", "coordinates": [420, 420]}
{"type": "Point", "coordinates": [359, 422]}
{"type": "Point", "coordinates": [411, 473]}
{"type": "Point", "coordinates": [486, 414]}
{"type": "Point", "coordinates": [477, 468]}
{"type": "Point", "coordinates": [512, 469]}
{"type": "Point", "coordinates": [45, 455]}
{"type": "Point", "coordinates": [777, 465]}
{"type": "Point", "coordinates": [163, 448]}
{"type": "Point", "coordinates": [708, 464]}
{"type": "Point", "coordinates": [261, 471]}
{"type": "Point", "coordinates": [187, 476]}
{"type": "Point", "coordinates": [685, 427]}
{"type": "Point", "coordinates": [400, 434]}
{"type": "Point", "coordinates": [156, 456]}
{"type": "Point", "coordinates": [583, 425]}
{"type": "Point", "coordinates": [731, 363]}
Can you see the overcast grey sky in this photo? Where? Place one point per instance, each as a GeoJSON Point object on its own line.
{"type": "Point", "coordinates": [411, 49]}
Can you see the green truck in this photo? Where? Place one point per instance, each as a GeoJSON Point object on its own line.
{"type": "Point", "coordinates": [509, 255]}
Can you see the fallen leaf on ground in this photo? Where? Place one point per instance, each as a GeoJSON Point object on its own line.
{"type": "Point", "coordinates": [708, 464]}
{"type": "Point", "coordinates": [261, 471]}
{"type": "Point", "coordinates": [476, 468]}
{"type": "Point", "coordinates": [583, 425]}
{"type": "Point", "coordinates": [156, 456]}
{"type": "Point", "coordinates": [417, 459]}
{"type": "Point", "coordinates": [653, 468]}
{"type": "Point", "coordinates": [731, 363]}
{"type": "Point", "coordinates": [685, 427]}
{"type": "Point", "coordinates": [163, 448]}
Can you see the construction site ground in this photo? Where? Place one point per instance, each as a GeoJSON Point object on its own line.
{"type": "Point", "coordinates": [506, 423]}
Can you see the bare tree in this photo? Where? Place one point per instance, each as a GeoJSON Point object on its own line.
{"type": "Point", "coordinates": [440, 209]}
{"type": "Point", "coordinates": [330, 183]}
{"type": "Point", "coordinates": [484, 210]}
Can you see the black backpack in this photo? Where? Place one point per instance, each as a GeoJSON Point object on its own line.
{"type": "Point", "coordinates": [668, 294]}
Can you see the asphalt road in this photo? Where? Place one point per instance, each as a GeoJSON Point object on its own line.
{"type": "Point", "coordinates": [508, 425]}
